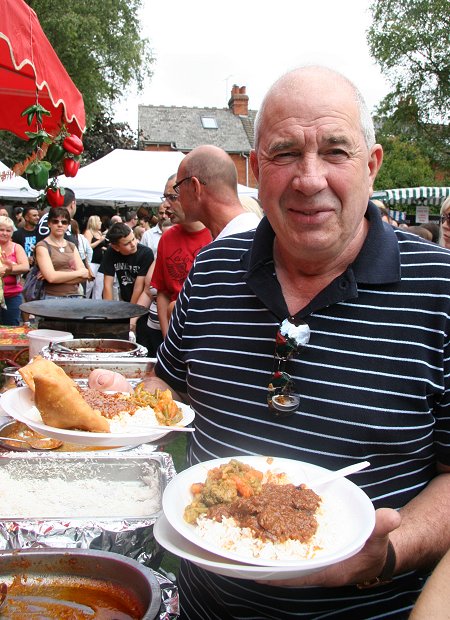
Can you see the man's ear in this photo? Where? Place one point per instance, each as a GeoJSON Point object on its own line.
{"type": "Point", "coordinates": [375, 161]}
{"type": "Point", "coordinates": [254, 164]}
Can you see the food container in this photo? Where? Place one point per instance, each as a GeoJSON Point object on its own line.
{"type": "Point", "coordinates": [98, 348]}
{"type": "Point", "coordinates": [40, 338]}
{"type": "Point", "coordinates": [80, 367]}
{"type": "Point", "coordinates": [105, 489]}
{"type": "Point", "coordinates": [54, 583]}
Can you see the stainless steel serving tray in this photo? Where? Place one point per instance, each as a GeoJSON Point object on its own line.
{"type": "Point", "coordinates": [98, 348]}
{"type": "Point", "coordinates": [127, 535]}
{"type": "Point", "coordinates": [133, 368]}
{"type": "Point", "coordinates": [130, 367]}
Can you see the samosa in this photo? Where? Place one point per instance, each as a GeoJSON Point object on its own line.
{"type": "Point", "coordinates": [62, 406]}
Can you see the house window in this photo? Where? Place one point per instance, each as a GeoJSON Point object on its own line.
{"type": "Point", "coordinates": [209, 122]}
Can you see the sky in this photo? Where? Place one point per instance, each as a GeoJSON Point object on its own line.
{"type": "Point", "coordinates": [202, 48]}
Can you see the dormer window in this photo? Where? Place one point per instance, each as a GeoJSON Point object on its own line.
{"type": "Point", "coordinates": [209, 122]}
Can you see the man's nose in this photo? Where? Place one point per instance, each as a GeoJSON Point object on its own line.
{"type": "Point", "coordinates": [310, 176]}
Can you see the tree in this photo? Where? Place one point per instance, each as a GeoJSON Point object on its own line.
{"type": "Point", "coordinates": [409, 40]}
{"type": "Point", "coordinates": [104, 135]}
{"type": "Point", "coordinates": [100, 46]}
{"type": "Point", "coordinates": [404, 165]}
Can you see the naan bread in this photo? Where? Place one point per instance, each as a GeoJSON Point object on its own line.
{"type": "Point", "coordinates": [43, 367]}
{"type": "Point", "coordinates": [62, 406]}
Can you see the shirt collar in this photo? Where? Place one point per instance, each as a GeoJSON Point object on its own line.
{"type": "Point", "coordinates": [378, 261]}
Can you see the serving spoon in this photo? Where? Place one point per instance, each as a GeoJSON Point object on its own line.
{"type": "Point", "coordinates": [46, 443]}
{"type": "Point", "coordinates": [339, 473]}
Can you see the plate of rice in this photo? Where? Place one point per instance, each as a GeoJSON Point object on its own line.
{"type": "Point", "coordinates": [313, 530]}
{"type": "Point", "coordinates": [142, 426]}
{"type": "Point", "coordinates": [174, 543]}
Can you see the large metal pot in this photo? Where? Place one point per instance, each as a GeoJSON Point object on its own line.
{"type": "Point", "coordinates": [44, 577]}
{"type": "Point", "coordinates": [99, 348]}
{"type": "Point", "coordinates": [85, 318]}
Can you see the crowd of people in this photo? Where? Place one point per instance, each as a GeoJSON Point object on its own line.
{"type": "Point", "coordinates": [219, 281]}
{"type": "Point", "coordinates": [115, 258]}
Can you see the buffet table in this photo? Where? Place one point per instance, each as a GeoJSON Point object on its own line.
{"type": "Point", "coordinates": [14, 344]}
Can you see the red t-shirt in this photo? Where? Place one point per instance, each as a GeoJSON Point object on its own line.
{"type": "Point", "coordinates": [177, 250]}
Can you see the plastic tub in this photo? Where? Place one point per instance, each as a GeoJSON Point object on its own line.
{"type": "Point", "coordinates": [40, 338]}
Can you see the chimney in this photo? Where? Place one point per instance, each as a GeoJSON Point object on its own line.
{"type": "Point", "coordinates": [238, 102]}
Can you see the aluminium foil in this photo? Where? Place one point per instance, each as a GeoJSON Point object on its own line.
{"type": "Point", "coordinates": [129, 536]}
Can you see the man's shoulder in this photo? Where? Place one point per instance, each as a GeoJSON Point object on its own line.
{"type": "Point", "coordinates": [18, 235]}
{"type": "Point", "coordinates": [143, 250]}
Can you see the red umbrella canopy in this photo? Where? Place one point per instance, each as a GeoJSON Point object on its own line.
{"type": "Point", "coordinates": [30, 71]}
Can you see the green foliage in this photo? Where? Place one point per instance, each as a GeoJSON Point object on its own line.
{"type": "Point", "coordinates": [12, 148]}
{"type": "Point", "coordinates": [104, 135]}
{"type": "Point", "coordinates": [100, 46]}
{"type": "Point", "coordinates": [409, 40]}
{"type": "Point", "coordinates": [404, 165]}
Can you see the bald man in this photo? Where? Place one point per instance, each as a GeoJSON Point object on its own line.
{"type": "Point", "coordinates": [208, 190]}
{"type": "Point", "coordinates": [365, 310]}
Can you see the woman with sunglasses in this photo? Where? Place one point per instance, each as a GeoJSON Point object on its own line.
{"type": "Point", "coordinates": [444, 237]}
{"type": "Point", "coordinates": [59, 260]}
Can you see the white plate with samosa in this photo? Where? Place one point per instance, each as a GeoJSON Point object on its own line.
{"type": "Point", "coordinates": [53, 405]}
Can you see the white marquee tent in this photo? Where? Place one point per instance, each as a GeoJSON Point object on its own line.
{"type": "Point", "coordinates": [15, 188]}
{"type": "Point", "coordinates": [128, 178]}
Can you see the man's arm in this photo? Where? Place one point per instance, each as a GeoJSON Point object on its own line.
{"type": "Point", "coordinates": [434, 602]}
{"type": "Point", "coordinates": [108, 287]}
{"type": "Point", "coordinates": [138, 287]}
{"type": "Point", "coordinates": [419, 533]}
{"type": "Point", "coordinates": [163, 303]}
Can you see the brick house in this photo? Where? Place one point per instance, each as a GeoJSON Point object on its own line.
{"type": "Point", "coordinates": [168, 128]}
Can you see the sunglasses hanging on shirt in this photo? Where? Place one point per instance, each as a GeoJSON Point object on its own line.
{"type": "Point", "coordinates": [292, 335]}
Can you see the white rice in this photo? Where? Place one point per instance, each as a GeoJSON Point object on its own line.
{"type": "Point", "coordinates": [55, 497]}
{"type": "Point", "coordinates": [228, 536]}
{"type": "Point", "coordinates": [126, 423]}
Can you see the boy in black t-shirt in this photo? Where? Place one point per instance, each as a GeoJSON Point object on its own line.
{"type": "Point", "coordinates": [127, 259]}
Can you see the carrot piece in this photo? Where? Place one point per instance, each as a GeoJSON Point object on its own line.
{"type": "Point", "coordinates": [197, 487]}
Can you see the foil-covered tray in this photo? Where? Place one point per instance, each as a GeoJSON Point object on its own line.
{"type": "Point", "coordinates": [80, 368]}
{"type": "Point", "coordinates": [136, 477]}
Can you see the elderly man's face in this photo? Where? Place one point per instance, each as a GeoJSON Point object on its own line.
{"type": "Point", "coordinates": [172, 204]}
{"type": "Point", "coordinates": [314, 169]}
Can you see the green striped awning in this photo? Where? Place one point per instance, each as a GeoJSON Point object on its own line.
{"type": "Point", "coordinates": [432, 196]}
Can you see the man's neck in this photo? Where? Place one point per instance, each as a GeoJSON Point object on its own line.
{"type": "Point", "coordinates": [192, 227]}
{"type": "Point", "coordinates": [29, 226]}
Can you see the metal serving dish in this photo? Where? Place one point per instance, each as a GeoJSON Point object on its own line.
{"type": "Point", "coordinates": [80, 368]}
{"type": "Point", "coordinates": [105, 523]}
{"type": "Point", "coordinates": [51, 583]}
{"type": "Point", "coordinates": [99, 348]}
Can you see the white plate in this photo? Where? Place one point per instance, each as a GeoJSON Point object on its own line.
{"type": "Point", "coordinates": [349, 510]}
{"type": "Point", "coordinates": [19, 404]}
{"type": "Point", "coordinates": [173, 542]}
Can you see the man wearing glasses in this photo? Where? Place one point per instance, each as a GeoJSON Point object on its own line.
{"type": "Point", "coordinates": [177, 250]}
{"type": "Point", "coordinates": [322, 337]}
{"type": "Point", "coordinates": [208, 191]}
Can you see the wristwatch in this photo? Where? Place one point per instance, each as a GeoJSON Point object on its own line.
{"type": "Point", "coordinates": [387, 572]}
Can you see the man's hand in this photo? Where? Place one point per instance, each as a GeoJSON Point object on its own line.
{"type": "Point", "coordinates": [364, 566]}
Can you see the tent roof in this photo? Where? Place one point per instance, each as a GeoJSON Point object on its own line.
{"type": "Point", "coordinates": [13, 187]}
{"type": "Point", "coordinates": [125, 177]}
{"type": "Point", "coordinates": [432, 196]}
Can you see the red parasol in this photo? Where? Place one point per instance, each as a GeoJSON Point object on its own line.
{"type": "Point", "coordinates": [30, 68]}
